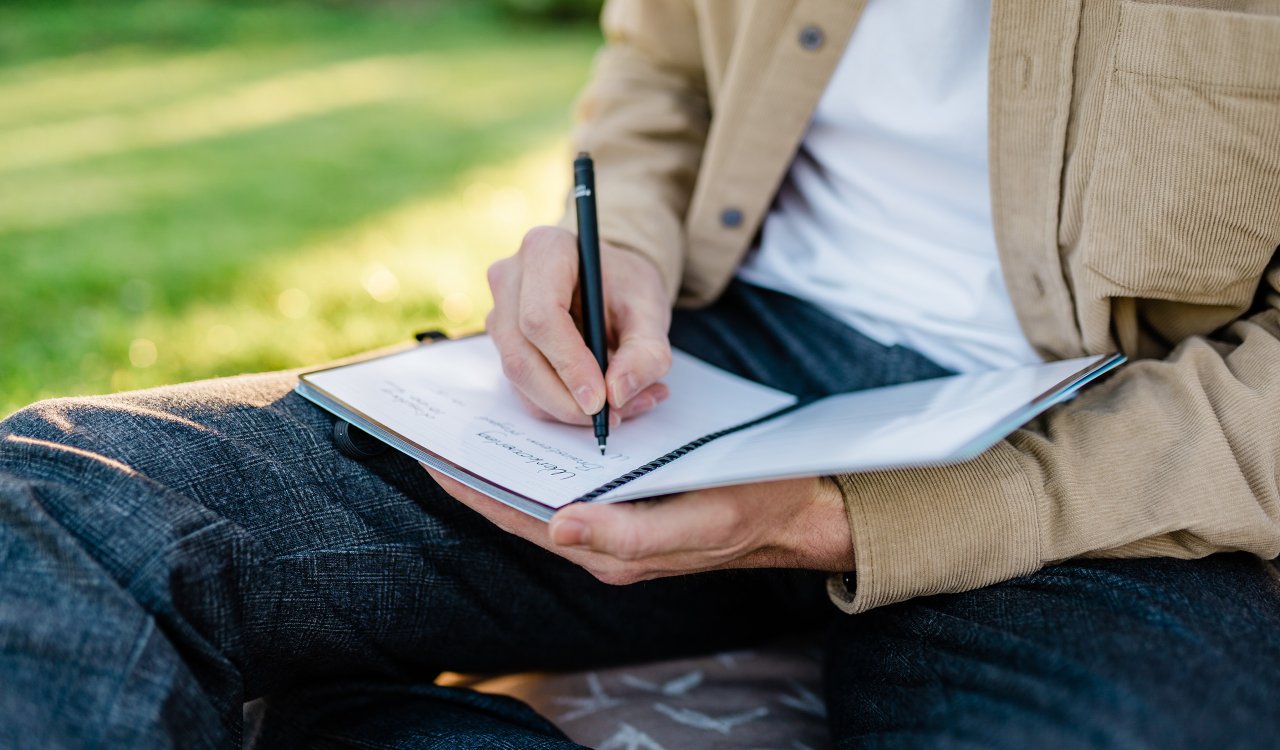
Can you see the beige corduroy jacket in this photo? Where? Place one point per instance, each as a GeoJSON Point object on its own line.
{"type": "Point", "coordinates": [1135, 179]}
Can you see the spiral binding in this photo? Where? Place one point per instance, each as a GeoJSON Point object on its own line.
{"type": "Point", "coordinates": [688, 447]}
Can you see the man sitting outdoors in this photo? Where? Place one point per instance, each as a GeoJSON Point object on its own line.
{"type": "Point", "coordinates": [833, 197]}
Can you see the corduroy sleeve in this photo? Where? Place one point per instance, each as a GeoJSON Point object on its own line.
{"type": "Point", "coordinates": [1177, 457]}
{"type": "Point", "coordinates": [644, 118]}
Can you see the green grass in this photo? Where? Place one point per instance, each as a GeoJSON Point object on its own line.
{"type": "Point", "coordinates": [198, 188]}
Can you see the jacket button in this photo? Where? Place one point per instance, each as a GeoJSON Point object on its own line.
{"type": "Point", "coordinates": [731, 217]}
{"type": "Point", "coordinates": [850, 581]}
{"type": "Point", "coordinates": [811, 37]}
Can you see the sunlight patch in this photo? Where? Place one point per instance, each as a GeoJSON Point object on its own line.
{"type": "Point", "coordinates": [273, 101]}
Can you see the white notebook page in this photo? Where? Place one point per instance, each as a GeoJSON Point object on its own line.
{"type": "Point", "coordinates": [928, 422]}
{"type": "Point", "coordinates": [451, 399]}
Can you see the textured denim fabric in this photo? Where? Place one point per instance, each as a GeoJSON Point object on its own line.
{"type": "Point", "coordinates": [1088, 654]}
{"type": "Point", "coordinates": [167, 555]}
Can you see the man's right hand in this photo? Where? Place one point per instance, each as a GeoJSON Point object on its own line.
{"type": "Point", "coordinates": [535, 300]}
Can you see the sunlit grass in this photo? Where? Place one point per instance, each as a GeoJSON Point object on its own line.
{"type": "Point", "coordinates": [419, 265]}
{"type": "Point", "coordinates": [118, 79]}
{"type": "Point", "coordinates": [220, 203]}
{"type": "Point", "coordinates": [261, 103]}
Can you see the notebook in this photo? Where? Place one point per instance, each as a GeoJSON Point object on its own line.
{"type": "Point", "coordinates": [449, 406]}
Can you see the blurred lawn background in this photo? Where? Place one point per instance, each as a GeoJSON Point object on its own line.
{"type": "Point", "coordinates": [194, 188]}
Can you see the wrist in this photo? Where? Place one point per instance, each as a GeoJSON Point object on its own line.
{"type": "Point", "coordinates": [821, 537]}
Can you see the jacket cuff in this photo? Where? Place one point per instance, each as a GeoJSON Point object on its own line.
{"type": "Point", "coordinates": [941, 529]}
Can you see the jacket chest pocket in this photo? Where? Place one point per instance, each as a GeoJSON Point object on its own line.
{"type": "Point", "coordinates": [1184, 200]}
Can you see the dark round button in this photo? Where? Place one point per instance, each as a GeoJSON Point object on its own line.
{"type": "Point", "coordinates": [355, 443]}
{"type": "Point", "coordinates": [811, 37]}
{"type": "Point", "coordinates": [850, 581]}
{"type": "Point", "coordinates": [731, 217]}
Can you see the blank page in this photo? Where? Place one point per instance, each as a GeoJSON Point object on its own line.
{"type": "Point", "coordinates": [929, 422]}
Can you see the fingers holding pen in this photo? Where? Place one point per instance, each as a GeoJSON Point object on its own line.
{"type": "Point", "coordinates": [641, 321]}
{"type": "Point", "coordinates": [641, 403]}
{"type": "Point", "coordinates": [542, 350]}
{"type": "Point", "coordinates": [536, 381]}
{"type": "Point", "coordinates": [546, 293]}
{"type": "Point", "coordinates": [638, 364]}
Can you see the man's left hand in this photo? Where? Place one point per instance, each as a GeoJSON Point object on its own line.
{"type": "Point", "coordinates": [797, 523]}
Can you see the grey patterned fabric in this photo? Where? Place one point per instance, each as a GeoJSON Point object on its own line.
{"type": "Point", "coordinates": [763, 698]}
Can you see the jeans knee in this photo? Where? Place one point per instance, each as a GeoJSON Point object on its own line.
{"type": "Point", "coordinates": [163, 418]}
{"type": "Point", "coordinates": [91, 439]}
{"type": "Point", "coordinates": [78, 422]}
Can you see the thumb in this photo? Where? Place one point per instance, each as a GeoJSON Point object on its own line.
{"type": "Point", "coordinates": [636, 530]}
{"type": "Point", "coordinates": [640, 313]}
{"type": "Point", "coordinates": [637, 364]}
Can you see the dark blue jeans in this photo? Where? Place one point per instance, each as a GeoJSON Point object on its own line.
{"type": "Point", "coordinates": [167, 555]}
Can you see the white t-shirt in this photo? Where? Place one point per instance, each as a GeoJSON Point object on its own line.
{"type": "Point", "coordinates": [884, 219]}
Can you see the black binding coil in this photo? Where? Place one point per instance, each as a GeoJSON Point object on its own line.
{"type": "Point", "coordinates": [688, 447]}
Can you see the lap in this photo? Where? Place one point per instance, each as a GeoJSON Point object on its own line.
{"type": "Point", "coordinates": [226, 503]}
{"type": "Point", "coordinates": [231, 491]}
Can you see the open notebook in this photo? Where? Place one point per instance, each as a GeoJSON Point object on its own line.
{"type": "Point", "coordinates": [449, 406]}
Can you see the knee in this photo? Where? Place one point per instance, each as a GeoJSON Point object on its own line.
{"type": "Point", "coordinates": [83, 439]}
{"type": "Point", "coordinates": [82, 424]}
{"type": "Point", "coordinates": [135, 427]}
{"type": "Point", "coordinates": [37, 418]}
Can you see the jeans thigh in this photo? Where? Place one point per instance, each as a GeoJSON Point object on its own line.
{"type": "Point", "coordinates": [1088, 654]}
{"type": "Point", "coordinates": [224, 510]}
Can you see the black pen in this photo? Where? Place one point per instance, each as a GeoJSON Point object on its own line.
{"type": "Point", "coordinates": [590, 287]}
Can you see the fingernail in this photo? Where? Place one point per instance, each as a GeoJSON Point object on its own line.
{"type": "Point", "coordinates": [624, 389]}
{"type": "Point", "coordinates": [585, 398]}
{"type": "Point", "coordinates": [571, 533]}
{"type": "Point", "coordinates": [615, 418]}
